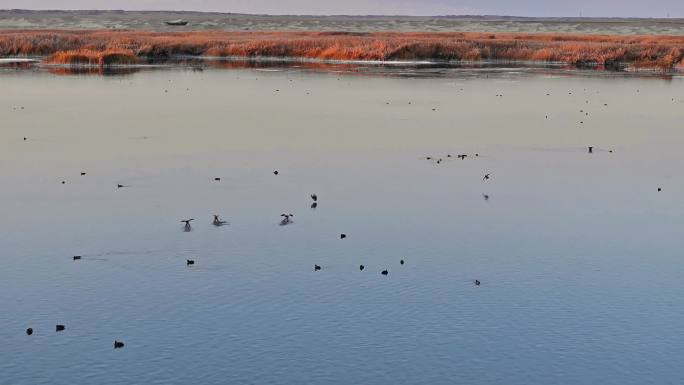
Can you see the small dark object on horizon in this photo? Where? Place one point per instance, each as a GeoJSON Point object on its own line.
{"type": "Point", "coordinates": [59, 328]}
{"type": "Point", "coordinates": [384, 272]}
{"type": "Point", "coordinates": [361, 267]}
{"type": "Point", "coordinates": [314, 205]}
{"type": "Point", "coordinates": [660, 189]}
{"type": "Point", "coordinates": [314, 197]}
{"type": "Point", "coordinates": [275, 172]}
{"type": "Point", "coordinates": [83, 174]}
{"type": "Point", "coordinates": [591, 149]}
{"type": "Point", "coordinates": [217, 179]}
{"type": "Point", "coordinates": [189, 262]}
{"type": "Point", "coordinates": [317, 268]}
{"type": "Point", "coordinates": [342, 236]}
{"type": "Point", "coordinates": [401, 262]}
{"type": "Point", "coordinates": [63, 182]}
{"type": "Point", "coordinates": [77, 257]}
{"type": "Point", "coordinates": [477, 283]}
{"type": "Point", "coordinates": [118, 344]}
{"type": "Point", "coordinates": [29, 331]}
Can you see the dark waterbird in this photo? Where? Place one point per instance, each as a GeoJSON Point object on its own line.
{"type": "Point", "coordinates": [189, 262]}
{"type": "Point", "coordinates": [477, 282]}
{"type": "Point", "coordinates": [486, 177]}
{"type": "Point", "coordinates": [317, 268]}
{"type": "Point", "coordinates": [314, 205]}
{"type": "Point", "coordinates": [342, 236]}
{"type": "Point", "coordinates": [118, 344]}
{"type": "Point", "coordinates": [217, 222]}
{"type": "Point", "coordinates": [83, 174]}
{"type": "Point", "coordinates": [286, 219]}
{"type": "Point", "coordinates": [384, 272]}
{"type": "Point", "coordinates": [29, 331]}
{"type": "Point", "coordinates": [485, 196]}
{"type": "Point", "coordinates": [59, 328]}
{"type": "Point", "coordinates": [361, 267]}
{"type": "Point", "coordinates": [120, 186]}
{"type": "Point", "coordinates": [591, 149]}
{"type": "Point", "coordinates": [77, 257]}
{"type": "Point", "coordinates": [187, 226]}
{"type": "Point", "coordinates": [401, 262]}
{"type": "Point", "coordinates": [275, 172]}
{"type": "Point", "coordinates": [314, 197]}
{"type": "Point", "coordinates": [660, 189]}
{"type": "Point", "coordinates": [217, 179]}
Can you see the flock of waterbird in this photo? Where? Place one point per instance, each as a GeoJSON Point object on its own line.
{"type": "Point", "coordinates": [287, 218]}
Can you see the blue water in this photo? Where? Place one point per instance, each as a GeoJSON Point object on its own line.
{"type": "Point", "coordinates": [579, 256]}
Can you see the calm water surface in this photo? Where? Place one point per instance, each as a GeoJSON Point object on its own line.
{"type": "Point", "coordinates": [580, 257]}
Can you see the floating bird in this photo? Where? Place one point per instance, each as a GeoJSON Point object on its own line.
{"type": "Point", "coordinates": [25, 138]}
{"type": "Point", "coordinates": [118, 344]}
{"type": "Point", "coordinates": [63, 182]}
{"type": "Point", "coordinates": [29, 331]}
{"type": "Point", "coordinates": [314, 197]}
{"type": "Point", "coordinates": [189, 262]}
{"type": "Point", "coordinates": [384, 272]}
{"type": "Point", "coordinates": [217, 179]}
{"type": "Point", "coordinates": [275, 172]}
{"type": "Point", "coordinates": [316, 267]}
{"type": "Point", "coordinates": [314, 205]}
{"type": "Point", "coordinates": [591, 149]}
{"type": "Point", "coordinates": [217, 222]}
{"type": "Point", "coordinates": [83, 174]}
{"type": "Point", "coordinates": [286, 219]}
{"type": "Point", "coordinates": [77, 257]}
{"type": "Point", "coordinates": [342, 236]}
{"type": "Point", "coordinates": [59, 328]}
{"type": "Point", "coordinates": [660, 189]}
{"type": "Point", "coordinates": [477, 283]}
{"type": "Point", "coordinates": [361, 267]}
{"type": "Point", "coordinates": [187, 226]}
{"type": "Point", "coordinates": [486, 177]}
{"type": "Point", "coordinates": [485, 196]}
{"type": "Point", "coordinates": [120, 186]}
{"type": "Point", "coordinates": [401, 262]}
{"type": "Point", "coordinates": [462, 156]}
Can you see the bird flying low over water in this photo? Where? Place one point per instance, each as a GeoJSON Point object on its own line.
{"type": "Point", "coordinates": [187, 226]}
{"type": "Point", "coordinates": [486, 177]}
{"type": "Point", "coordinates": [314, 197]}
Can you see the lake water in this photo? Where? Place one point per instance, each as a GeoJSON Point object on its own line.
{"type": "Point", "coordinates": [579, 256]}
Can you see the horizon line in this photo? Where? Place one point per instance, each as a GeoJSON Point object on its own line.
{"type": "Point", "coordinates": [345, 15]}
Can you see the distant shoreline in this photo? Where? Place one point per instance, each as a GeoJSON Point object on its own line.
{"type": "Point", "coordinates": [216, 21]}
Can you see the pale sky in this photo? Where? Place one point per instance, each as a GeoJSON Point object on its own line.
{"type": "Point", "coordinates": [593, 8]}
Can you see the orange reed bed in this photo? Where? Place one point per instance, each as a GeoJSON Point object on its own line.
{"type": "Point", "coordinates": [123, 47]}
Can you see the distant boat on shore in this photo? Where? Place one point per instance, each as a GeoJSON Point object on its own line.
{"type": "Point", "coordinates": [176, 22]}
